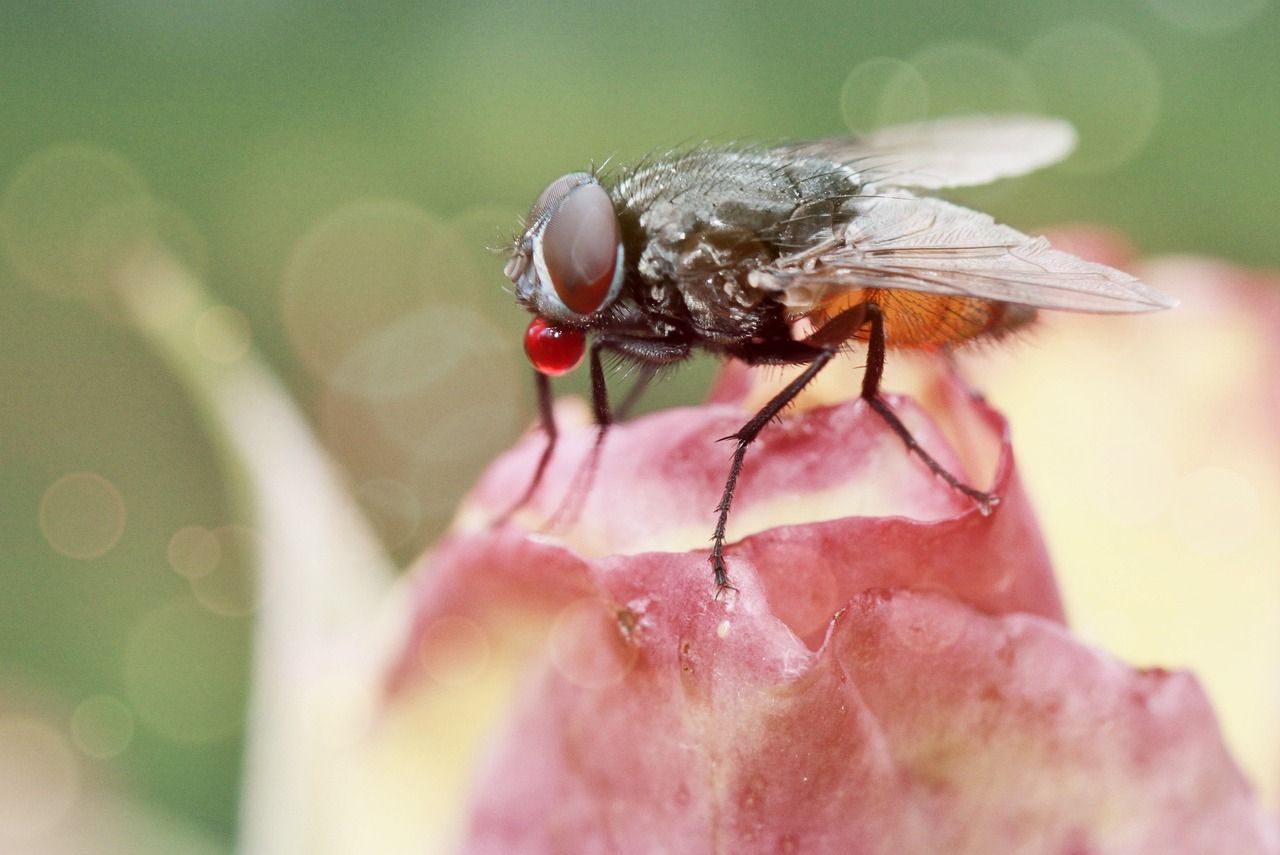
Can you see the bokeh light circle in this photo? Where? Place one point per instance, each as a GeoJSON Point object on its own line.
{"type": "Point", "coordinates": [969, 77]}
{"type": "Point", "coordinates": [194, 551]}
{"type": "Point", "coordinates": [82, 515]}
{"type": "Point", "coordinates": [102, 726]}
{"type": "Point", "coordinates": [1105, 83]}
{"type": "Point", "coordinates": [439, 482]}
{"type": "Point", "coordinates": [352, 281]}
{"type": "Point", "coordinates": [464, 398]}
{"type": "Point", "coordinates": [454, 650]}
{"type": "Point", "coordinates": [945, 79]}
{"type": "Point", "coordinates": [587, 647]}
{"type": "Point", "coordinates": [456, 403]}
{"type": "Point", "coordinates": [420, 348]}
{"type": "Point", "coordinates": [1208, 17]}
{"type": "Point", "coordinates": [50, 206]}
{"type": "Point", "coordinates": [425, 391]}
{"type": "Point", "coordinates": [484, 235]}
{"type": "Point", "coordinates": [130, 243]}
{"type": "Point", "coordinates": [159, 291]}
{"type": "Point", "coordinates": [881, 92]}
{"type": "Point", "coordinates": [186, 672]}
{"type": "Point", "coordinates": [39, 778]}
{"type": "Point", "coordinates": [230, 588]}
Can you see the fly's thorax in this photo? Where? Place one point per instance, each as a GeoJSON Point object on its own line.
{"type": "Point", "coordinates": [703, 221]}
{"type": "Point", "coordinates": [739, 187]}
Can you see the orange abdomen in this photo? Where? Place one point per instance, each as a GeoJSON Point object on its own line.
{"type": "Point", "coordinates": [915, 320]}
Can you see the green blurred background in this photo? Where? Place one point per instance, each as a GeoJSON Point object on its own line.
{"type": "Point", "coordinates": [335, 174]}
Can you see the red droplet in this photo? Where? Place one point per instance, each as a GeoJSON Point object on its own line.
{"type": "Point", "coordinates": [554, 350]}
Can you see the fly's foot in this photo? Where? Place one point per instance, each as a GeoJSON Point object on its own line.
{"type": "Point", "coordinates": [986, 502]}
{"type": "Point", "coordinates": [723, 586]}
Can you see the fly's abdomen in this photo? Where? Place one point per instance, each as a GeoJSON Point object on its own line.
{"type": "Point", "coordinates": [914, 320]}
{"type": "Point", "coordinates": [917, 321]}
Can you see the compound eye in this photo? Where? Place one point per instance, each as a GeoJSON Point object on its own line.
{"type": "Point", "coordinates": [550, 198]}
{"type": "Point", "coordinates": [554, 350]}
{"type": "Point", "coordinates": [580, 249]}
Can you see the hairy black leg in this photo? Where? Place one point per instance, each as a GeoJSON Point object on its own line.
{"type": "Point", "coordinates": [547, 416]}
{"type": "Point", "coordinates": [744, 437]}
{"type": "Point", "coordinates": [871, 394]}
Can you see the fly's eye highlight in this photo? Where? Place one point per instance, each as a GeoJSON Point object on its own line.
{"type": "Point", "coordinates": [554, 350]}
{"type": "Point", "coordinates": [579, 252]}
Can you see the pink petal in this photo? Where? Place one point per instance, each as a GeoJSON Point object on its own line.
{"type": "Point", "coordinates": [660, 478]}
{"type": "Point", "coordinates": [892, 675]}
{"type": "Point", "coordinates": [919, 726]}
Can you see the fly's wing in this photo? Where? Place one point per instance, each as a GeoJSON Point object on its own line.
{"type": "Point", "coordinates": [900, 241]}
{"type": "Point", "coordinates": [954, 152]}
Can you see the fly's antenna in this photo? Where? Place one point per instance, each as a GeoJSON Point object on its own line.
{"type": "Point", "coordinates": [510, 245]}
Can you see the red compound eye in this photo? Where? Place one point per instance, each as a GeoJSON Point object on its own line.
{"type": "Point", "coordinates": [554, 350]}
{"type": "Point", "coordinates": [580, 248]}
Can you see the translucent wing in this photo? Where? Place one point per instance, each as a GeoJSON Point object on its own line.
{"type": "Point", "coordinates": [961, 151]}
{"type": "Point", "coordinates": [900, 241]}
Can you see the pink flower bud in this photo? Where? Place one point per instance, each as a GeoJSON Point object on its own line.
{"type": "Point", "coordinates": [893, 675]}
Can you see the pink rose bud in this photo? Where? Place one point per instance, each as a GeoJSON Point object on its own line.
{"type": "Point", "coordinates": [892, 676]}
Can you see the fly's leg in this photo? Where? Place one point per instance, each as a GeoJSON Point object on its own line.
{"type": "Point", "coordinates": [650, 354]}
{"type": "Point", "coordinates": [584, 478]}
{"type": "Point", "coordinates": [744, 437]}
{"type": "Point", "coordinates": [547, 417]}
{"type": "Point", "coordinates": [871, 394]}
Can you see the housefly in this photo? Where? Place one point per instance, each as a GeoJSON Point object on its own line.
{"type": "Point", "coordinates": [727, 249]}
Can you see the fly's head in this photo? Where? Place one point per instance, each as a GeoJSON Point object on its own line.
{"type": "Point", "coordinates": [567, 269]}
